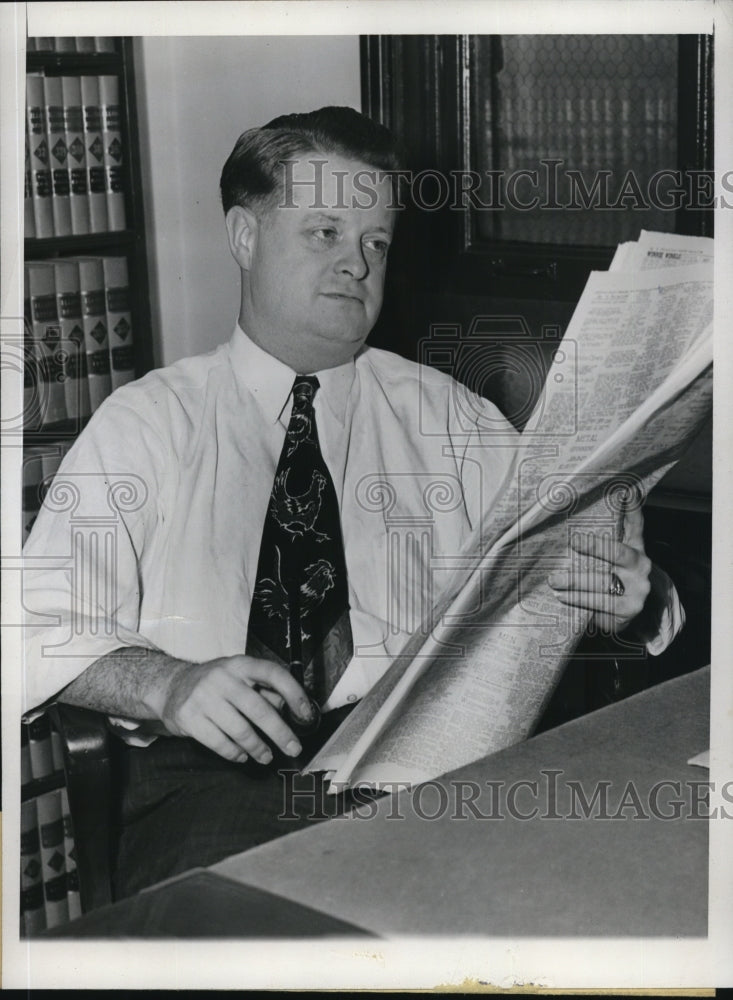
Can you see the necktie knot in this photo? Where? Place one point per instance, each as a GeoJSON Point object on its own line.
{"type": "Point", "coordinates": [304, 389]}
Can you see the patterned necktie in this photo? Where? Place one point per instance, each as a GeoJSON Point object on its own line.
{"type": "Point", "coordinates": [300, 606]}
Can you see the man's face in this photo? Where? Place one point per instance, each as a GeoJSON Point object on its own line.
{"type": "Point", "coordinates": [313, 288]}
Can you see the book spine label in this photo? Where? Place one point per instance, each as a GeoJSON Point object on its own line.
{"type": "Point", "coordinates": [77, 156]}
{"type": "Point", "coordinates": [119, 321]}
{"type": "Point", "coordinates": [96, 184]}
{"type": "Point", "coordinates": [61, 194]}
{"type": "Point", "coordinates": [94, 323]}
{"type": "Point", "coordinates": [39, 158]}
{"type": "Point", "coordinates": [114, 168]}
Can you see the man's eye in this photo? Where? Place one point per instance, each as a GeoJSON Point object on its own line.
{"type": "Point", "coordinates": [378, 246]}
{"type": "Point", "coordinates": [325, 233]}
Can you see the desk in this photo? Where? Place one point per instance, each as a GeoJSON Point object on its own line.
{"type": "Point", "coordinates": [398, 872]}
{"type": "Point", "coordinates": [538, 877]}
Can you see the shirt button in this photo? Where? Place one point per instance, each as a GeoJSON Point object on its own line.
{"type": "Point", "coordinates": [351, 697]}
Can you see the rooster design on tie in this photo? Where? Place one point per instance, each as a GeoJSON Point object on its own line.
{"type": "Point", "coordinates": [298, 513]}
{"type": "Point", "coordinates": [272, 595]}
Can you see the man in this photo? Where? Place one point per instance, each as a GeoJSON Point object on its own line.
{"type": "Point", "coordinates": [213, 633]}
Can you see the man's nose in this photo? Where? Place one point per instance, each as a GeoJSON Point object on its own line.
{"type": "Point", "coordinates": [352, 261]}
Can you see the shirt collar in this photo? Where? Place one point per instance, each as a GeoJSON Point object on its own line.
{"type": "Point", "coordinates": [270, 381]}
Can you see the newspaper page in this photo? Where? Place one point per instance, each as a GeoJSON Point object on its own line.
{"type": "Point", "coordinates": [654, 250]}
{"type": "Point", "coordinates": [496, 652]}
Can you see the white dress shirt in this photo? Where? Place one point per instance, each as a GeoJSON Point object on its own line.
{"type": "Point", "coordinates": [150, 536]}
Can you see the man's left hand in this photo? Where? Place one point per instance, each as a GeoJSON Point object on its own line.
{"type": "Point", "coordinates": [591, 585]}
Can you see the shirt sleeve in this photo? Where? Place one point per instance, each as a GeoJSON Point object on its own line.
{"type": "Point", "coordinates": [81, 563]}
{"type": "Point", "coordinates": [663, 615]}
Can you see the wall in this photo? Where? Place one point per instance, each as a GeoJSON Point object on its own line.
{"type": "Point", "coordinates": [195, 96]}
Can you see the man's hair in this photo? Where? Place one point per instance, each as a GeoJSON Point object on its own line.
{"type": "Point", "coordinates": [253, 173]}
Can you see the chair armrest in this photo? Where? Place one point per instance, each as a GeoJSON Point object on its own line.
{"type": "Point", "coordinates": [87, 767]}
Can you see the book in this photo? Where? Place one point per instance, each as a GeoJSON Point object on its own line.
{"type": "Point", "coordinates": [85, 43]}
{"type": "Point", "coordinates": [74, 358]}
{"type": "Point", "coordinates": [94, 147]}
{"type": "Point", "coordinates": [76, 153]}
{"type": "Point", "coordinates": [38, 155]}
{"type": "Point", "coordinates": [51, 456]}
{"type": "Point", "coordinates": [73, 897]}
{"type": "Point", "coordinates": [29, 222]}
{"type": "Point", "coordinates": [114, 171]}
{"type": "Point", "coordinates": [40, 464]}
{"type": "Point", "coordinates": [31, 497]}
{"type": "Point", "coordinates": [104, 43]}
{"type": "Point", "coordinates": [64, 43]}
{"type": "Point", "coordinates": [57, 752]}
{"type": "Point", "coordinates": [33, 913]}
{"type": "Point", "coordinates": [46, 336]}
{"type": "Point", "coordinates": [39, 743]}
{"type": "Point", "coordinates": [119, 321]}
{"type": "Point", "coordinates": [60, 191]}
{"type": "Point", "coordinates": [94, 324]}
{"type": "Point", "coordinates": [26, 774]}
{"type": "Point", "coordinates": [53, 858]}
{"type": "Point", "coordinates": [475, 677]}
{"type": "Point", "coordinates": [33, 388]}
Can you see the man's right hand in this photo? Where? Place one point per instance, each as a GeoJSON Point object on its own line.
{"type": "Point", "coordinates": [226, 704]}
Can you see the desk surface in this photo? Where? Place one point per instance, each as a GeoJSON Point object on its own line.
{"type": "Point", "coordinates": [637, 874]}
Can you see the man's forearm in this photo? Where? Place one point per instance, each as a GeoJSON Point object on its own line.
{"type": "Point", "coordinates": [133, 682]}
{"type": "Point", "coordinates": [231, 704]}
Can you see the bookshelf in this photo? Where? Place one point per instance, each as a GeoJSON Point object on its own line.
{"type": "Point", "coordinates": [130, 241]}
{"type": "Point", "coordinates": [120, 235]}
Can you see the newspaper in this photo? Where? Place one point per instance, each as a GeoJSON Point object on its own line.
{"type": "Point", "coordinates": [478, 677]}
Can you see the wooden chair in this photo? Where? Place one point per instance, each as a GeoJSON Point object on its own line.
{"type": "Point", "coordinates": [88, 770]}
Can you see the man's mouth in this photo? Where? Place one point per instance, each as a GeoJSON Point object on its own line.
{"type": "Point", "coordinates": [347, 296]}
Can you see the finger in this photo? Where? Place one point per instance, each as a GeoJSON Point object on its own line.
{"type": "Point", "coordinates": [634, 528]}
{"type": "Point", "coordinates": [597, 579]}
{"type": "Point", "coordinates": [277, 678]}
{"type": "Point", "coordinates": [276, 700]}
{"type": "Point", "coordinates": [591, 600]}
{"type": "Point", "coordinates": [210, 736]}
{"type": "Point", "coordinates": [260, 713]}
{"type": "Point", "coordinates": [236, 727]}
{"type": "Point", "coordinates": [604, 548]}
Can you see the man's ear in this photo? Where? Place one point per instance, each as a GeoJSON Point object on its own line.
{"type": "Point", "coordinates": [241, 226]}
